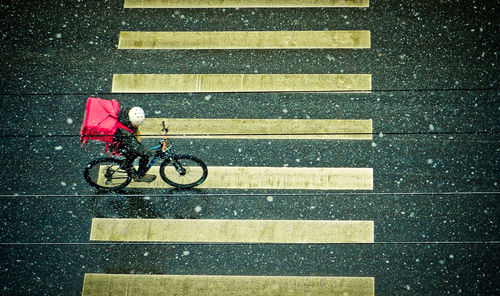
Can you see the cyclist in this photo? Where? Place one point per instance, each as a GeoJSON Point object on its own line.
{"type": "Point", "coordinates": [128, 144]}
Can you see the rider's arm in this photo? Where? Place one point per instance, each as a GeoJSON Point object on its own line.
{"type": "Point", "coordinates": [129, 141]}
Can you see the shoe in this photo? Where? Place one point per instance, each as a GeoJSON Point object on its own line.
{"type": "Point", "coordinates": [146, 178]}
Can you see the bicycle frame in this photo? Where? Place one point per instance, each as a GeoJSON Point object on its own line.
{"type": "Point", "coordinates": [166, 152]}
{"type": "Point", "coordinates": [183, 165]}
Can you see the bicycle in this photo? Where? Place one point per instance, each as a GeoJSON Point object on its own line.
{"type": "Point", "coordinates": [180, 171]}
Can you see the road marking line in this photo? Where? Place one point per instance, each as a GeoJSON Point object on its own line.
{"type": "Point", "coordinates": [286, 178]}
{"type": "Point", "coordinates": [243, 3]}
{"type": "Point", "coordinates": [244, 40]}
{"type": "Point", "coordinates": [232, 231]}
{"type": "Point", "coordinates": [313, 129]}
{"type": "Point", "coordinates": [179, 83]}
{"type": "Point", "coordinates": [215, 285]}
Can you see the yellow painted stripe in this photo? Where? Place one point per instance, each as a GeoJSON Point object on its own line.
{"type": "Point", "coordinates": [213, 285]}
{"type": "Point", "coordinates": [286, 178]}
{"type": "Point", "coordinates": [313, 129]}
{"type": "Point", "coordinates": [178, 83]}
{"type": "Point", "coordinates": [243, 3]}
{"type": "Point", "coordinates": [244, 40]}
{"type": "Point", "coordinates": [232, 231]}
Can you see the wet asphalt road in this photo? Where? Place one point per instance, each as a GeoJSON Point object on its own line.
{"type": "Point", "coordinates": [435, 152]}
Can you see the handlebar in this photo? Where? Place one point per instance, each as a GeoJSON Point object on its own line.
{"type": "Point", "coordinates": [163, 143]}
{"type": "Point", "coordinates": [165, 131]}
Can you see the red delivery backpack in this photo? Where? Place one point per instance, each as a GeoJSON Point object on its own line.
{"type": "Point", "coordinates": [100, 121]}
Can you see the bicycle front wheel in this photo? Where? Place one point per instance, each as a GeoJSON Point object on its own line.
{"type": "Point", "coordinates": [183, 171]}
{"type": "Point", "coordinates": [107, 174]}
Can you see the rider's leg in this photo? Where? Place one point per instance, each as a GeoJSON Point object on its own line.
{"type": "Point", "coordinates": [129, 158]}
{"type": "Point", "coordinates": [143, 165]}
{"type": "Point", "coordinates": [143, 168]}
{"type": "Point", "coordinates": [140, 175]}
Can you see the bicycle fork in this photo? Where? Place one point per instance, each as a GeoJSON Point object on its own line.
{"type": "Point", "coordinates": [178, 167]}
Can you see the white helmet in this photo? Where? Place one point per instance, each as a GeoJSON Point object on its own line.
{"type": "Point", "coordinates": [136, 116]}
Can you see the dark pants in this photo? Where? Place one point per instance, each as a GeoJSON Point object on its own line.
{"type": "Point", "coordinates": [143, 161]}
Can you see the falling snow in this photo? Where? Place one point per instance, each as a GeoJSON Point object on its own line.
{"type": "Point", "coordinates": [46, 57]}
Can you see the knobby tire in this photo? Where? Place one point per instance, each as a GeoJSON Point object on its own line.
{"type": "Point", "coordinates": [123, 177]}
{"type": "Point", "coordinates": [197, 166]}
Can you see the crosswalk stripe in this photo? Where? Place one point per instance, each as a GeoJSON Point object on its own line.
{"type": "Point", "coordinates": [313, 129]}
{"type": "Point", "coordinates": [285, 178]}
{"type": "Point", "coordinates": [243, 3]}
{"type": "Point", "coordinates": [215, 285]}
{"type": "Point", "coordinates": [244, 40]}
{"type": "Point", "coordinates": [232, 231]}
{"type": "Point", "coordinates": [178, 83]}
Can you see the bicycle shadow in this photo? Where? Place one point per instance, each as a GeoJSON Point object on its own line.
{"type": "Point", "coordinates": [172, 204]}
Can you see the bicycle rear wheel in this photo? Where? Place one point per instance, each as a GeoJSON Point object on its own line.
{"type": "Point", "coordinates": [183, 171]}
{"type": "Point", "coordinates": [107, 174]}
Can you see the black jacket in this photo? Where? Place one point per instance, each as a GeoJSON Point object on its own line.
{"type": "Point", "coordinates": [128, 142]}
